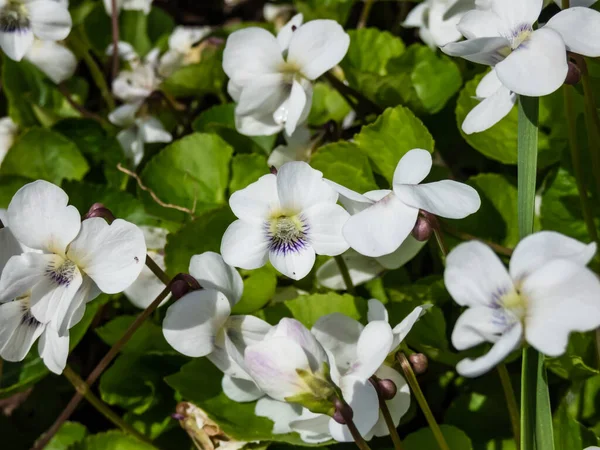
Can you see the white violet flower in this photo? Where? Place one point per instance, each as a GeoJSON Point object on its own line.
{"type": "Point", "coordinates": [181, 49]}
{"type": "Point", "coordinates": [299, 148]}
{"type": "Point", "coordinates": [8, 134]}
{"type": "Point", "coordinates": [132, 5]}
{"type": "Point", "coordinates": [55, 60]}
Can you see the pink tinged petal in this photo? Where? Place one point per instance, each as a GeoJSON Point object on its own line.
{"type": "Point", "coordinates": [376, 311]}
{"type": "Point", "coordinates": [362, 269]}
{"type": "Point", "coordinates": [325, 222]}
{"type": "Point", "coordinates": [251, 53]}
{"type": "Point", "coordinates": [273, 365]}
{"type": "Point", "coordinates": [475, 276]}
{"type": "Point", "coordinates": [445, 198]}
{"type": "Point", "coordinates": [9, 247]}
{"type": "Point", "coordinates": [300, 187]}
{"type": "Point", "coordinates": [318, 46]}
{"type": "Point", "coordinates": [413, 167]}
{"type": "Point", "coordinates": [362, 398]}
{"type": "Point", "coordinates": [579, 29]}
{"type": "Point", "coordinates": [239, 390]}
{"type": "Point", "coordinates": [23, 272]}
{"type": "Point", "coordinates": [18, 331]}
{"type": "Point", "coordinates": [213, 273]}
{"type": "Point", "coordinates": [416, 16]}
{"type": "Point", "coordinates": [509, 342]}
{"type": "Point", "coordinates": [50, 21]}
{"type": "Point", "coordinates": [480, 24]}
{"type": "Point", "coordinates": [293, 329]}
{"type": "Point", "coordinates": [403, 328]}
{"type": "Point", "coordinates": [515, 13]}
{"type": "Point", "coordinates": [193, 322]}
{"type": "Point", "coordinates": [477, 325]}
{"type": "Point", "coordinates": [111, 255]}
{"type": "Point", "coordinates": [373, 347]}
{"type": "Point", "coordinates": [55, 60]}
{"type": "Point", "coordinates": [407, 251]}
{"type": "Point", "coordinates": [245, 245]}
{"type": "Point", "coordinates": [537, 67]}
{"type": "Point", "coordinates": [262, 95]}
{"type": "Point", "coordinates": [294, 108]}
{"type": "Point", "coordinates": [562, 297]}
{"type": "Point", "coordinates": [54, 350]}
{"type": "Point", "coordinates": [280, 413]}
{"type": "Point", "coordinates": [284, 37]}
{"type": "Point", "coordinates": [486, 50]}
{"type": "Point", "coordinates": [398, 406]}
{"type": "Point", "coordinates": [490, 111]}
{"type": "Point", "coordinates": [339, 335]}
{"type": "Point", "coordinates": [540, 248]}
{"type": "Point", "coordinates": [352, 201]}
{"type": "Point", "coordinates": [16, 43]}
{"type": "Point", "coordinates": [39, 217]}
{"type": "Point", "coordinates": [256, 202]}
{"type": "Point", "coordinates": [295, 263]}
{"type": "Point", "coordinates": [380, 229]}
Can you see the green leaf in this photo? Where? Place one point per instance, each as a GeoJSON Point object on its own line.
{"type": "Point", "coordinates": [259, 289]}
{"type": "Point", "coordinates": [205, 77]}
{"type": "Point", "coordinates": [201, 235]}
{"type": "Point", "coordinates": [133, 27]}
{"type": "Point", "coordinates": [9, 185]}
{"type": "Point", "coordinates": [337, 10]}
{"type": "Point", "coordinates": [392, 135]}
{"type": "Point", "coordinates": [328, 104]}
{"type": "Point", "coordinates": [44, 154]}
{"type": "Point", "coordinates": [148, 337]}
{"type": "Point", "coordinates": [246, 169]}
{"type": "Point", "coordinates": [570, 434]}
{"type": "Point", "coordinates": [114, 440]}
{"type": "Point", "coordinates": [577, 362]}
{"type": "Point", "coordinates": [370, 50]}
{"type": "Point", "coordinates": [192, 172]}
{"type": "Point", "coordinates": [22, 86]}
{"type": "Point", "coordinates": [69, 433]}
{"type": "Point", "coordinates": [344, 163]}
{"type": "Point", "coordinates": [424, 439]}
{"type": "Point", "coordinates": [160, 24]}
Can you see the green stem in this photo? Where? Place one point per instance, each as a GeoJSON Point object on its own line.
{"type": "Point", "coordinates": [365, 106]}
{"type": "Point", "coordinates": [345, 273]}
{"type": "Point", "coordinates": [156, 270]}
{"type": "Point", "coordinates": [536, 416]}
{"type": "Point", "coordinates": [81, 387]}
{"type": "Point", "coordinates": [440, 242]}
{"type": "Point", "coordinates": [511, 403]}
{"type": "Point", "coordinates": [364, 15]}
{"type": "Point", "coordinates": [418, 393]}
{"type": "Point", "coordinates": [387, 416]}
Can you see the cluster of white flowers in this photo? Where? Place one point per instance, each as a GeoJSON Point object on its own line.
{"type": "Point", "coordinates": [52, 264]}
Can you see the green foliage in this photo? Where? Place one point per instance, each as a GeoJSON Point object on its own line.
{"type": "Point", "coordinates": [424, 439]}
{"type": "Point", "coordinates": [114, 440]}
{"type": "Point", "coordinates": [337, 10]}
{"type": "Point", "coordinates": [69, 434]}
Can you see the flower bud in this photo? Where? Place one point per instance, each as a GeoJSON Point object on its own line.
{"type": "Point", "coordinates": [387, 389]}
{"type": "Point", "coordinates": [343, 412]}
{"type": "Point", "coordinates": [422, 230]}
{"type": "Point", "coordinates": [419, 363]}
{"type": "Point", "coordinates": [99, 210]}
{"type": "Point", "coordinates": [273, 170]}
{"type": "Point", "coordinates": [574, 74]}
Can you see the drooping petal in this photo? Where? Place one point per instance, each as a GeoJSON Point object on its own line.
{"type": "Point", "coordinates": [193, 321]}
{"type": "Point", "coordinates": [480, 24]}
{"type": "Point", "coordinates": [22, 272]}
{"type": "Point", "coordinates": [403, 328]}
{"type": "Point", "coordinates": [239, 390]}
{"type": "Point", "coordinates": [245, 245]}
{"type": "Point", "coordinates": [537, 67]}
{"type": "Point", "coordinates": [474, 275]}
{"type": "Point", "coordinates": [259, 125]}
{"type": "Point", "coordinates": [377, 311]}
{"type": "Point", "coordinates": [580, 30]}
{"type": "Point", "coordinates": [339, 334]}
{"type": "Point", "coordinates": [488, 85]}
{"type": "Point", "coordinates": [562, 297]}
{"type": "Point", "coordinates": [153, 130]}
{"type": "Point", "coordinates": [39, 217]}
{"type": "Point", "coordinates": [373, 346]}
{"type": "Point", "coordinates": [509, 341]}
{"type": "Point", "coordinates": [540, 248]}
{"type": "Point", "coordinates": [15, 44]}
{"type": "Point", "coordinates": [490, 111]}
{"type": "Point", "coordinates": [414, 166]}
{"type": "Point", "coordinates": [246, 330]}
{"type": "Point", "coordinates": [398, 406]}
{"type": "Point", "coordinates": [295, 106]}
{"type": "Point", "coordinates": [256, 202]}
{"type": "Point", "coordinates": [111, 255]}
{"type": "Point", "coordinates": [262, 95]}
{"type": "Point", "coordinates": [442, 26]}
{"type": "Point", "coordinates": [54, 350]}
{"type": "Point", "coordinates": [281, 413]}
{"type": "Point", "coordinates": [55, 60]}
{"type": "Point", "coordinates": [325, 222]}
{"type": "Point", "coordinates": [381, 228]}
{"type": "Point", "coordinates": [445, 198]}
{"type": "Point", "coordinates": [516, 13]}
{"type": "Point", "coordinates": [295, 264]}
{"type": "Point", "coordinates": [477, 325]}
{"type": "Point", "coordinates": [50, 21]}
{"type": "Point", "coordinates": [318, 46]}
{"type": "Point", "coordinates": [300, 187]}
{"type": "Point", "coordinates": [361, 268]}
{"type": "Point", "coordinates": [213, 273]}
{"type": "Point", "coordinates": [124, 115]}
{"type": "Point", "coordinates": [362, 398]}
{"type": "Point", "coordinates": [87, 292]}
{"type": "Point", "coordinates": [486, 50]}
{"type": "Point", "coordinates": [416, 16]}
{"type": "Point", "coordinates": [18, 330]}
{"type": "Point", "coordinates": [407, 251]}
{"type": "Point", "coordinates": [284, 37]}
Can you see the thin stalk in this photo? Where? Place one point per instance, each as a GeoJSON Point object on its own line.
{"type": "Point", "coordinates": [387, 416]}
{"type": "Point", "coordinates": [345, 273]}
{"type": "Point", "coordinates": [364, 15]}
{"type": "Point", "coordinates": [440, 241]}
{"type": "Point", "coordinates": [501, 250]}
{"type": "Point", "coordinates": [62, 88]}
{"type": "Point", "coordinates": [81, 387]}
{"type": "Point", "coordinates": [156, 270]}
{"type": "Point", "coordinates": [115, 38]}
{"type": "Point", "coordinates": [577, 163]}
{"type": "Point", "coordinates": [91, 379]}
{"type": "Point", "coordinates": [369, 107]}
{"type": "Point", "coordinates": [511, 403]}
{"type": "Point", "coordinates": [358, 439]}
{"type": "Point", "coordinates": [418, 393]}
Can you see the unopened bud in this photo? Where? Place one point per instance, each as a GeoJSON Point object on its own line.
{"type": "Point", "coordinates": [422, 230]}
{"type": "Point", "coordinates": [343, 412]}
{"type": "Point", "coordinates": [182, 284]}
{"type": "Point", "coordinates": [273, 170]}
{"type": "Point", "coordinates": [419, 363]}
{"type": "Point", "coordinates": [177, 416]}
{"type": "Point", "coordinates": [574, 74]}
{"type": "Point", "coordinates": [387, 389]}
{"type": "Point", "coordinates": [99, 210]}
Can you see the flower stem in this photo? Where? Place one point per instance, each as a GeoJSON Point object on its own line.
{"type": "Point", "coordinates": [440, 241]}
{"type": "Point", "coordinates": [82, 388]}
{"type": "Point", "coordinates": [62, 88]}
{"type": "Point", "coordinates": [511, 403]}
{"type": "Point", "coordinates": [156, 270]}
{"type": "Point", "coordinates": [358, 439]}
{"type": "Point", "coordinates": [501, 250]}
{"type": "Point", "coordinates": [115, 38]}
{"type": "Point", "coordinates": [345, 273]}
{"type": "Point", "coordinates": [536, 416]}
{"type": "Point", "coordinates": [418, 393]}
{"type": "Point", "coordinates": [91, 379]}
{"type": "Point", "coordinates": [387, 416]}
{"type": "Point", "coordinates": [368, 106]}
{"type": "Point", "coordinates": [364, 15]}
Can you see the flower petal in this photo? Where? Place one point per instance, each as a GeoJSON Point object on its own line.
{"type": "Point", "coordinates": [239, 390]}
{"type": "Point", "coordinates": [362, 398]}
{"type": "Point", "coordinates": [18, 330]}
{"type": "Point", "coordinates": [213, 273]}
{"type": "Point", "coordinates": [381, 228]}
{"type": "Point", "coordinates": [111, 255]}
{"type": "Point", "coordinates": [54, 350]}
{"type": "Point", "coordinates": [352, 201]}
{"type": "Point", "coordinates": [416, 16]}
{"type": "Point", "coordinates": [398, 406]}
{"type": "Point", "coordinates": [485, 50]}
{"type": "Point", "coordinates": [245, 245]}
{"type": "Point", "coordinates": [488, 85]}
{"type": "Point", "coordinates": [280, 413]}
{"type": "Point", "coordinates": [562, 297]}
{"type": "Point", "coordinates": [480, 24]}
{"type": "Point", "coordinates": [15, 44]}
{"type": "Point", "coordinates": [325, 222]}
{"type": "Point", "coordinates": [50, 21]}
{"type": "Point", "coordinates": [445, 198]}
{"type": "Point", "coordinates": [490, 111]}
{"type": "Point", "coordinates": [312, 428]}
{"type": "Point", "coordinates": [153, 130]}
{"type": "Point", "coordinates": [477, 325]}
{"type": "Point", "coordinates": [9, 247]}
{"type": "Point", "coordinates": [259, 125]}
{"type": "Point", "coordinates": [39, 217]}
{"type": "Point", "coordinates": [339, 334]}
{"type": "Point", "coordinates": [300, 187]}
{"type": "Point", "coordinates": [542, 247]}
{"type": "Point", "coordinates": [22, 272]}
{"type": "Point", "coordinates": [284, 37]}
{"type": "Point", "coordinates": [414, 166]}
{"type": "Point", "coordinates": [537, 67]}
{"type": "Point", "coordinates": [579, 29]}
{"type": "Point", "coordinates": [474, 275]}
{"type": "Point", "coordinates": [263, 95]}
{"type": "Point", "coordinates": [403, 328]}
{"type": "Point", "coordinates": [147, 286]}
{"type": "Point", "coordinates": [376, 311]}
{"type": "Point", "coordinates": [407, 251]}
{"type": "Point", "coordinates": [516, 13]}
{"type": "Point", "coordinates": [372, 348]}
{"type": "Point", "coordinates": [361, 268]}
{"type": "Point", "coordinates": [295, 264]}
{"type": "Point", "coordinates": [256, 202]}
{"type": "Point", "coordinates": [293, 329]}
{"type": "Point", "coordinates": [318, 46]}
{"type": "Point", "coordinates": [294, 107]}
{"type": "Point", "coordinates": [55, 60]}
{"type": "Point", "coordinates": [124, 115]}
{"type": "Point", "coordinates": [193, 321]}
{"type": "Point", "coordinates": [87, 292]}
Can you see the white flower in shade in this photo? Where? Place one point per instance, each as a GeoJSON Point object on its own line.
{"type": "Point", "coordinates": [270, 77]}
{"type": "Point", "coordinates": [286, 218]}
{"type": "Point", "coordinates": [382, 220]}
{"type": "Point", "coordinates": [272, 12]}
{"type": "Point", "coordinates": [363, 269]}
{"type": "Point", "coordinates": [200, 324]}
{"type": "Point", "coordinates": [299, 148]}
{"type": "Point", "coordinates": [147, 286]}
{"type": "Point", "coordinates": [21, 21]}
{"type": "Point", "coordinates": [90, 255]}
{"type": "Point", "coordinates": [55, 60]}
{"type": "Point", "coordinates": [129, 5]}
{"type": "Point", "coordinates": [182, 49]}
{"type": "Point", "coordinates": [8, 133]}
{"type": "Point", "coordinates": [136, 85]}
{"type": "Point", "coordinates": [546, 294]}
{"type": "Point", "coordinates": [527, 61]}
{"type": "Point", "coordinates": [437, 20]}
